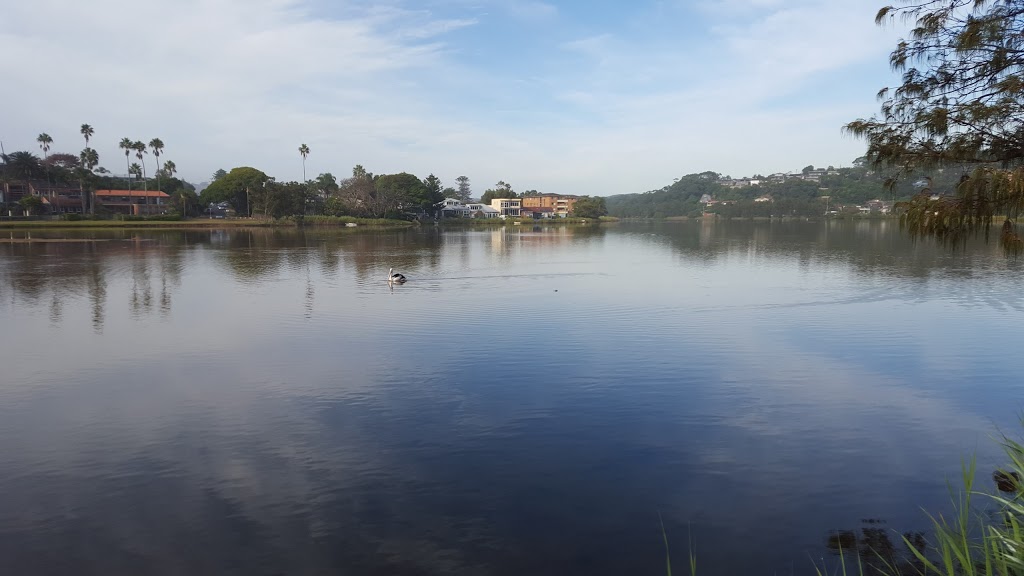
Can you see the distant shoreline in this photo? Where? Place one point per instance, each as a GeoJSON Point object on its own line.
{"type": "Point", "coordinates": [202, 224]}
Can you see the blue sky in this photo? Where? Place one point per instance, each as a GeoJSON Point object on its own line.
{"type": "Point", "coordinates": [573, 97]}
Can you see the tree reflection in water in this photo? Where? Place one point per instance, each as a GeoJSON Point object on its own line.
{"type": "Point", "coordinates": [872, 548]}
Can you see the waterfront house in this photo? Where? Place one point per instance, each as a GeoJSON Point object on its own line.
{"type": "Point", "coordinates": [507, 206]}
{"type": "Point", "coordinates": [483, 211]}
{"type": "Point", "coordinates": [537, 212]}
{"type": "Point", "coordinates": [58, 198]}
{"type": "Point", "coordinates": [560, 204]}
{"type": "Point", "coordinates": [133, 202]}
{"type": "Point", "coordinates": [453, 208]}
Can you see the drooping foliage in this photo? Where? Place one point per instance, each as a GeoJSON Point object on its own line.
{"type": "Point", "coordinates": [960, 104]}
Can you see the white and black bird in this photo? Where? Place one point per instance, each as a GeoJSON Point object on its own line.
{"type": "Point", "coordinates": [395, 277]}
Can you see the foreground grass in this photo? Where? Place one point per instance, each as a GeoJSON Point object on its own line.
{"type": "Point", "coordinates": [972, 540]}
{"type": "Point", "coordinates": [986, 540]}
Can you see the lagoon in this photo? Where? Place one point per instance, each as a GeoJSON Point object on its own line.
{"type": "Point", "coordinates": [260, 401]}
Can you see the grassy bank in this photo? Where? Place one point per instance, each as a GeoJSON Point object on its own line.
{"type": "Point", "coordinates": [204, 223]}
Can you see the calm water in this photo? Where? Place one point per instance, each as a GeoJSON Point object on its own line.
{"type": "Point", "coordinates": [260, 402]}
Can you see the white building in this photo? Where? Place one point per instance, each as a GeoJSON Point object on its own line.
{"type": "Point", "coordinates": [507, 206]}
{"type": "Point", "coordinates": [453, 208]}
{"type": "Point", "coordinates": [482, 211]}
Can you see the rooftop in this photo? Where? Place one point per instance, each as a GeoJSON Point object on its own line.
{"type": "Point", "coordinates": [135, 193]}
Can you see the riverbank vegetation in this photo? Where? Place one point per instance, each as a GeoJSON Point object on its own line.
{"type": "Point", "coordinates": [960, 106]}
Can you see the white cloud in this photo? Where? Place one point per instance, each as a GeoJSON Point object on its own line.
{"type": "Point", "coordinates": [244, 82]}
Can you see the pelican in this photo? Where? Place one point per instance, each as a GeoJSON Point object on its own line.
{"type": "Point", "coordinates": [395, 277]}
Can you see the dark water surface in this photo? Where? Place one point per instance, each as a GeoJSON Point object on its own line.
{"type": "Point", "coordinates": [260, 402]}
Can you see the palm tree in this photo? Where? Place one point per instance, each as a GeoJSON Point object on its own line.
{"type": "Point", "coordinates": [157, 145]}
{"type": "Point", "coordinates": [304, 151]}
{"type": "Point", "coordinates": [140, 151]}
{"type": "Point", "coordinates": [126, 145]}
{"type": "Point", "coordinates": [134, 170]}
{"type": "Point", "coordinates": [170, 169]}
{"type": "Point", "coordinates": [26, 164]}
{"type": "Point", "coordinates": [44, 143]}
{"type": "Point", "coordinates": [90, 158]}
{"type": "Point", "coordinates": [87, 133]}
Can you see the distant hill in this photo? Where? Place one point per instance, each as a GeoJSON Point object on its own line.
{"type": "Point", "coordinates": [792, 194]}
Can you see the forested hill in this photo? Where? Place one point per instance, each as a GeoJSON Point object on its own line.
{"type": "Point", "coordinates": [799, 193]}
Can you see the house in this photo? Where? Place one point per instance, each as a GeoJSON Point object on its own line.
{"type": "Point", "coordinates": [59, 198]}
{"type": "Point", "coordinates": [133, 202]}
{"type": "Point", "coordinates": [537, 212]}
{"type": "Point", "coordinates": [507, 206]}
{"type": "Point", "coordinates": [560, 204]}
{"type": "Point", "coordinates": [777, 178]}
{"type": "Point", "coordinates": [453, 208]}
{"type": "Point", "coordinates": [706, 199]}
{"type": "Point", "coordinates": [765, 198]}
{"type": "Point", "coordinates": [482, 211]}
{"type": "Point", "coordinates": [878, 206]}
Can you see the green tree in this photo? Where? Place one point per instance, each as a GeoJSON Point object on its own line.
{"type": "Point", "coordinates": [325, 185]}
{"type": "Point", "coordinates": [185, 201]}
{"type": "Point", "coordinates": [32, 205]}
{"type": "Point", "coordinates": [589, 207]}
{"type": "Point", "coordinates": [236, 187]}
{"type": "Point", "coordinates": [278, 199]}
{"type": "Point", "coordinates": [170, 168]}
{"type": "Point", "coordinates": [450, 192]}
{"type": "Point", "coordinates": [24, 164]}
{"type": "Point", "coordinates": [434, 193]}
{"type": "Point", "coordinates": [219, 174]}
{"type": "Point", "coordinates": [465, 193]}
{"type": "Point", "coordinates": [960, 105]}
{"type": "Point", "coordinates": [304, 151]}
{"type": "Point", "coordinates": [501, 190]}
{"type": "Point", "coordinates": [403, 191]}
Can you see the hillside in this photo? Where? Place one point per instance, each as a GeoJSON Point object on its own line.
{"type": "Point", "coordinates": [807, 193]}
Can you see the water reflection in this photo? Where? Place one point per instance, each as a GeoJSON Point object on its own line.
{"type": "Point", "coordinates": [529, 402]}
{"type": "Point", "coordinates": [874, 548]}
{"type": "Point", "coordinates": [68, 265]}
{"type": "Point", "coordinates": [154, 261]}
